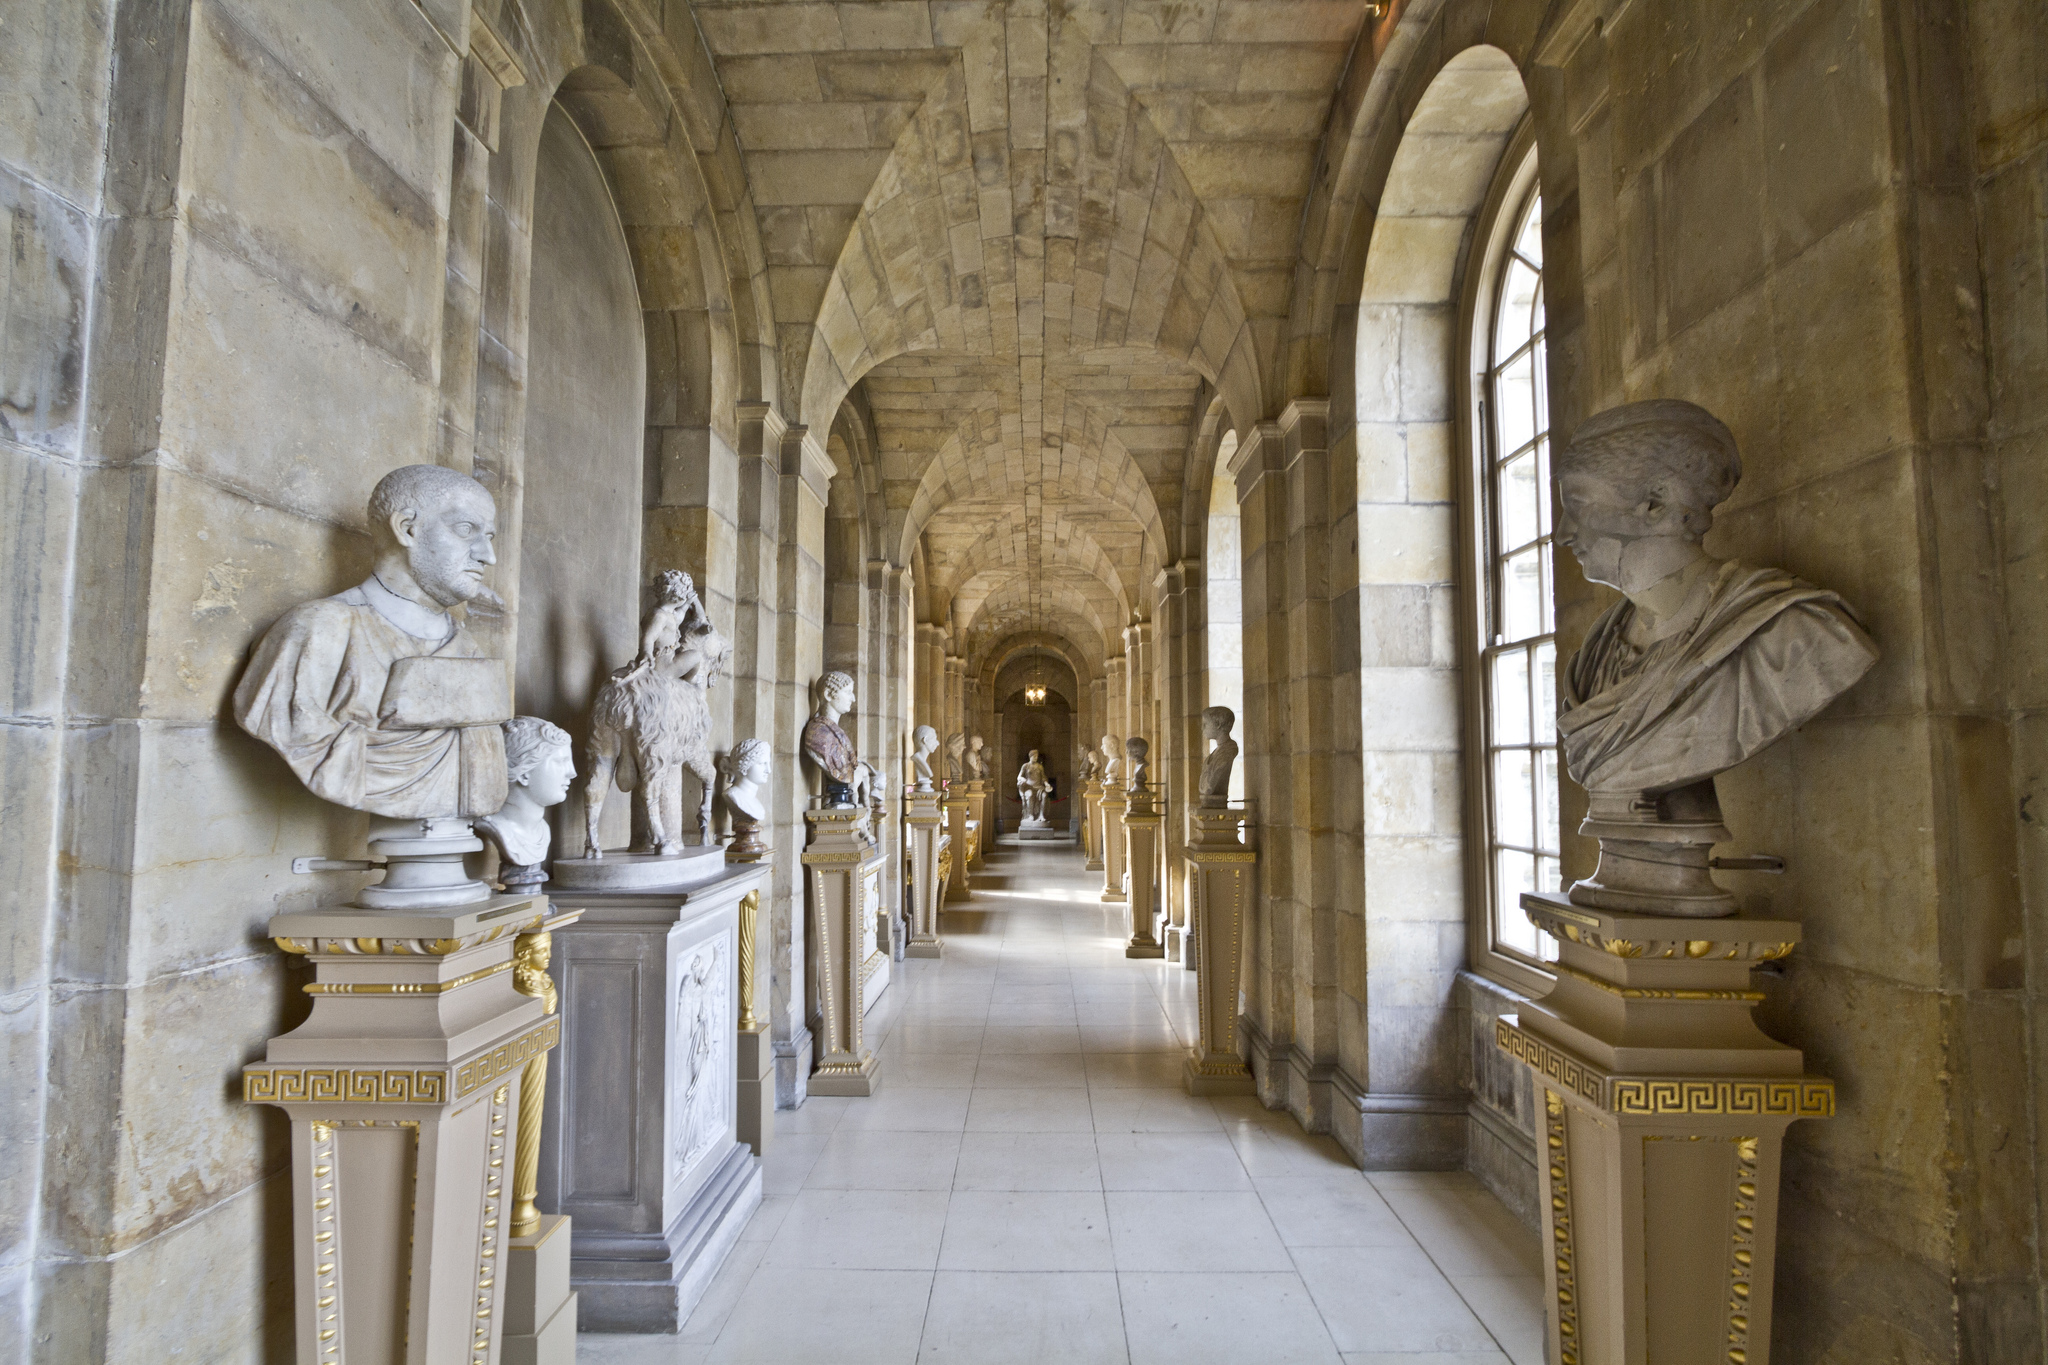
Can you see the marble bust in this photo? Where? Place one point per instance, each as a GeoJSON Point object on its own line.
{"type": "Point", "coordinates": [1110, 751]}
{"type": "Point", "coordinates": [1702, 664]}
{"type": "Point", "coordinates": [538, 769]}
{"type": "Point", "coordinates": [1085, 770]}
{"type": "Point", "coordinates": [956, 757]}
{"type": "Point", "coordinates": [1214, 785]}
{"type": "Point", "coordinates": [1135, 749]}
{"type": "Point", "coordinates": [977, 766]}
{"type": "Point", "coordinates": [378, 697]}
{"type": "Point", "coordinates": [746, 768]}
{"type": "Point", "coordinates": [924, 743]}
{"type": "Point", "coordinates": [848, 781]}
{"type": "Point", "coordinates": [1032, 785]}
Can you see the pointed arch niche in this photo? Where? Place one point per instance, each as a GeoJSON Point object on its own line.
{"type": "Point", "coordinates": [1223, 562]}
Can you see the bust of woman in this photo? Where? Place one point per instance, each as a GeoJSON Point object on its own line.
{"type": "Point", "coordinates": [746, 769]}
{"type": "Point", "coordinates": [1702, 664]}
{"type": "Point", "coordinates": [538, 770]}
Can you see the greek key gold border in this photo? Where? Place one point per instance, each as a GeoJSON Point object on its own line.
{"type": "Point", "coordinates": [352, 1085]}
{"type": "Point", "coordinates": [480, 1071]}
{"type": "Point", "coordinates": [1791, 1097]}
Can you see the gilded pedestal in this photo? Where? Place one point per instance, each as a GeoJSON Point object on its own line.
{"type": "Point", "coordinates": [1222, 868]}
{"type": "Point", "coordinates": [402, 1087]}
{"type": "Point", "coordinates": [924, 818]}
{"type": "Point", "coordinates": [1142, 823]}
{"type": "Point", "coordinates": [1664, 1111]}
{"type": "Point", "coordinates": [843, 888]}
{"type": "Point", "coordinates": [1111, 805]}
{"type": "Point", "coordinates": [977, 815]}
{"type": "Point", "coordinates": [640, 1142]}
{"type": "Point", "coordinates": [957, 809]}
{"type": "Point", "coordinates": [1091, 832]}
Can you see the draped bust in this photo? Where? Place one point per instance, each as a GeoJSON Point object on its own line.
{"type": "Point", "coordinates": [1704, 662]}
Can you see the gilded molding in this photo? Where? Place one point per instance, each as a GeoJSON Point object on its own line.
{"type": "Point", "coordinates": [481, 1070]}
{"type": "Point", "coordinates": [1585, 930]}
{"type": "Point", "coordinates": [1564, 1252]}
{"type": "Point", "coordinates": [399, 947]}
{"type": "Point", "coordinates": [487, 1270]}
{"type": "Point", "coordinates": [326, 1250]}
{"type": "Point", "coordinates": [1658, 992]}
{"type": "Point", "coordinates": [1742, 1254]}
{"type": "Point", "coordinates": [750, 911]}
{"type": "Point", "coordinates": [405, 987]}
{"type": "Point", "coordinates": [263, 1084]}
{"type": "Point", "coordinates": [1788, 1097]}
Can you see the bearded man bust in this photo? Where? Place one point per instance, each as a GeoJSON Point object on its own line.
{"type": "Point", "coordinates": [1704, 662]}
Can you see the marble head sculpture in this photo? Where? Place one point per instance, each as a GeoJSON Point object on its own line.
{"type": "Point", "coordinates": [1136, 748]}
{"type": "Point", "coordinates": [1704, 662]}
{"type": "Point", "coordinates": [1111, 752]}
{"type": "Point", "coordinates": [924, 743]}
{"type": "Point", "coordinates": [977, 766]}
{"type": "Point", "coordinates": [848, 781]}
{"type": "Point", "coordinates": [746, 768]}
{"type": "Point", "coordinates": [1214, 785]}
{"type": "Point", "coordinates": [379, 699]}
{"type": "Point", "coordinates": [539, 766]}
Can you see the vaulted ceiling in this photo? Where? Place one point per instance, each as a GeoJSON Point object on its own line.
{"type": "Point", "coordinates": [1041, 234]}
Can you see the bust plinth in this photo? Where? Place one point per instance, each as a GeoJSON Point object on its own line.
{"type": "Point", "coordinates": [1223, 870]}
{"type": "Point", "coordinates": [843, 886]}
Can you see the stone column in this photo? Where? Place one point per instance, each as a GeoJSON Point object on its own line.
{"type": "Point", "coordinates": [843, 875]}
{"type": "Point", "coordinates": [1111, 805]}
{"type": "Point", "coordinates": [924, 816]}
{"type": "Point", "coordinates": [1141, 856]}
{"type": "Point", "coordinates": [1664, 1111]}
{"type": "Point", "coordinates": [957, 887]}
{"type": "Point", "coordinates": [402, 1088]}
{"type": "Point", "coordinates": [1223, 885]}
{"type": "Point", "coordinates": [1180, 750]}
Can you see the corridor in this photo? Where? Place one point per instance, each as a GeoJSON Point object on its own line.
{"type": "Point", "coordinates": [1031, 1184]}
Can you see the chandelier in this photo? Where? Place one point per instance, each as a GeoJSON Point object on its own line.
{"type": "Point", "coordinates": [1034, 691]}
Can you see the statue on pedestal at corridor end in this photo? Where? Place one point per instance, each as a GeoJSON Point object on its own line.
{"type": "Point", "coordinates": [1032, 785]}
{"type": "Point", "coordinates": [1702, 664]}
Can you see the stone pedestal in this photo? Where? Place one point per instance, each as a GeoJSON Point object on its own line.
{"type": "Point", "coordinates": [843, 889]}
{"type": "Point", "coordinates": [1091, 832]}
{"type": "Point", "coordinates": [957, 807]}
{"type": "Point", "coordinates": [1664, 1111]}
{"type": "Point", "coordinates": [1223, 870]}
{"type": "Point", "coordinates": [1142, 822]}
{"type": "Point", "coordinates": [402, 1090]}
{"type": "Point", "coordinates": [923, 819]}
{"type": "Point", "coordinates": [1110, 806]}
{"type": "Point", "coordinates": [640, 1141]}
{"type": "Point", "coordinates": [977, 815]}
{"type": "Point", "coordinates": [540, 1307]}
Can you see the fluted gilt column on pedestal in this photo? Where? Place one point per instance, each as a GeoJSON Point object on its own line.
{"type": "Point", "coordinates": [843, 873]}
{"type": "Point", "coordinates": [1142, 822]}
{"type": "Point", "coordinates": [756, 1085]}
{"type": "Point", "coordinates": [956, 829]}
{"type": "Point", "coordinates": [540, 1305]}
{"type": "Point", "coordinates": [1223, 879]}
{"type": "Point", "coordinates": [1664, 1111]}
{"type": "Point", "coordinates": [402, 1088]}
{"type": "Point", "coordinates": [1091, 833]}
{"type": "Point", "coordinates": [1111, 806]}
{"type": "Point", "coordinates": [924, 816]}
{"type": "Point", "coordinates": [977, 811]}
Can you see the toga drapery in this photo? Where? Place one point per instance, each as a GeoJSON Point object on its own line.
{"type": "Point", "coordinates": [1766, 655]}
{"type": "Point", "coordinates": [313, 691]}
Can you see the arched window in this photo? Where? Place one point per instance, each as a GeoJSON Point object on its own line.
{"type": "Point", "coordinates": [1225, 601]}
{"type": "Point", "coordinates": [1517, 649]}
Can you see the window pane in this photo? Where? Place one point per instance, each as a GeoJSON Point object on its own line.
{"type": "Point", "coordinates": [1515, 404]}
{"type": "Point", "coordinates": [1514, 816]}
{"type": "Point", "coordinates": [1546, 801]}
{"type": "Point", "coordinates": [1519, 521]}
{"type": "Point", "coordinates": [1536, 311]}
{"type": "Point", "coordinates": [1511, 697]}
{"type": "Point", "coordinates": [1529, 241]}
{"type": "Point", "coordinates": [1519, 289]}
{"type": "Point", "coordinates": [1542, 475]}
{"type": "Point", "coordinates": [1514, 873]}
{"type": "Point", "coordinates": [1546, 693]}
{"type": "Point", "coordinates": [1523, 608]}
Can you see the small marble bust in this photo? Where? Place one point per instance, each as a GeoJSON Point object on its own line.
{"type": "Point", "coordinates": [1135, 749]}
{"type": "Point", "coordinates": [1702, 664]}
{"type": "Point", "coordinates": [848, 781]}
{"type": "Point", "coordinates": [1111, 752]}
{"type": "Point", "coordinates": [977, 766]}
{"type": "Point", "coordinates": [538, 769]}
{"type": "Point", "coordinates": [1214, 785]}
{"type": "Point", "coordinates": [746, 770]}
{"type": "Point", "coordinates": [925, 742]}
{"type": "Point", "coordinates": [956, 757]}
{"type": "Point", "coordinates": [1086, 769]}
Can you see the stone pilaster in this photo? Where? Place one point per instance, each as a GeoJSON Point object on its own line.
{"type": "Point", "coordinates": [1110, 805]}
{"type": "Point", "coordinates": [1142, 822]}
{"type": "Point", "coordinates": [843, 876]}
{"type": "Point", "coordinates": [924, 816]}
{"type": "Point", "coordinates": [1223, 889]}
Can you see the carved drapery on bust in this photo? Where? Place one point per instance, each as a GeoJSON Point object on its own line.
{"type": "Point", "coordinates": [1702, 665]}
{"type": "Point", "coordinates": [848, 781]}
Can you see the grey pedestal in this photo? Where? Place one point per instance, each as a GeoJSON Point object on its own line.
{"type": "Point", "coordinates": [640, 1145]}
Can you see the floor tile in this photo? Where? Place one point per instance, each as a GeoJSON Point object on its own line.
{"type": "Point", "coordinates": [789, 1159]}
{"type": "Point", "coordinates": [927, 1070]}
{"type": "Point", "coordinates": [818, 1114]}
{"type": "Point", "coordinates": [1153, 1111]}
{"type": "Point", "coordinates": [937, 1038]}
{"type": "Point", "coordinates": [1011, 1231]}
{"type": "Point", "coordinates": [787, 1316]}
{"type": "Point", "coordinates": [767, 1218]}
{"type": "Point", "coordinates": [1035, 1110]}
{"type": "Point", "coordinates": [874, 1159]}
{"type": "Point", "coordinates": [1412, 1307]}
{"type": "Point", "coordinates": [1464, 1229]}
{"type": "Point", "coordinates": [1283, 1151]}
{"type": "Point", "coordinates": [1509, 1307]}
{"type": "Point", "coordinates": [982, 1318]}
{"type": "Point", "coordinates": [1031, 1038]}
{"type": "Point", "coordinates": [612, 1348]}
{"type": "Point", "coordinates": [1012, 1070]}
{"type": "Point", "coordinates": [1133, 1070]}
{"type": "Point", "coordinates": [1209, 1319]}
{"type": "Point", "coordinates": [1027, 1161]}
{"type": "Point", "coordinates": [1130, 1038]}
{"type": "Point", "coordinates": [708, 1318]}
{"type": "Point", "coordinates": [1170, 1161]}
{"type": "Point", "coordinates": [1319, 1211]}
{"type": "Point", "coordinates": [904, 1108]}
{"type": "Point", "coordinates": [1179, 1231]}
{"type": "Point", "coordinates": [860, 1230]}
{"type": "Point", "coordinates": [1425, 1358]}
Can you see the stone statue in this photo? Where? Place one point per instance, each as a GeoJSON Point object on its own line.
{"type": "Point", "coordinates": [925, 742]}
{"type": "Point", "coordinates": [1136, 748]}
{"type": "Point", "coordinates": [380, 700]}
{"type": "Point", "coordinates": [1032, 786]}
{"type": "Point", "coordinates": [538, 769]}
{"type": "Point", "coordinates": [956, 757]}
{"type": "Point", "coordinates": [848, 780]}
{"type": "Point", "coordinates": [1087, 766]}
{"type": "Point", "coordinates": [1110, 751]}
{"type": "Point", "coordinates": [378, 697]}
{"type": "Point", "coordinates": [651, 723]}
{"type": "Point", "coordinates": [1702, 664]}
{"type": "Point", "coordinates": [1214, 786]}
{"type": "Point", "coordinates": [977, 766]}
{"type": "Point", "coordinates": [746, 769]}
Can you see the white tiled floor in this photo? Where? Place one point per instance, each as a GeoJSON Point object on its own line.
{"type": "Point", "coordinates": [1032, 1185]}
